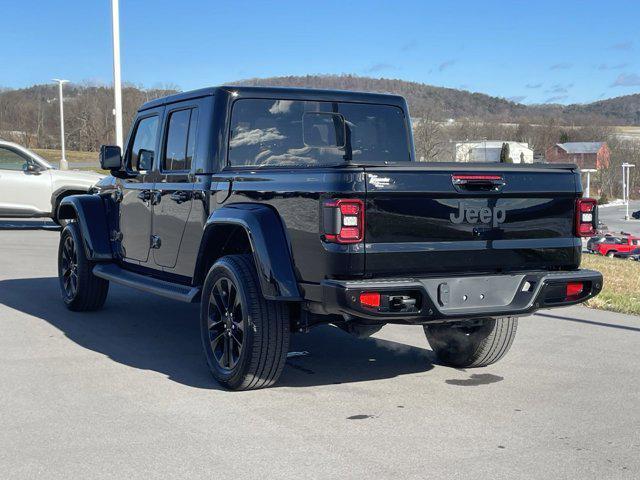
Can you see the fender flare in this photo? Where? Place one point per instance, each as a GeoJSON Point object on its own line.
{"type": "Point", "coordinates": [269, 246]}
{"type": "Point", "coordinates": [90, 214]}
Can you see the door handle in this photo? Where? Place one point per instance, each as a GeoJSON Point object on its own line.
{"type": "Point", "coordinates": [145, 195]}
{"type": "Point", "coordinates": [180, 197]}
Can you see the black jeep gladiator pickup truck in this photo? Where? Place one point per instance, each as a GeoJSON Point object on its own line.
{"type": "Point", "coordinates": [279, 209]}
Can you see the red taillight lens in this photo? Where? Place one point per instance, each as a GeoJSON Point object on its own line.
{"type": "Point", "coordinates": [343, 221]}
{"type": "Point", "coordinates": [350, 208]}
{"type": "Point", "coordinates": [370, 299]}
{"type": "Point", "coordinates": [574, 289]}
{"type": "Point", "coordinates": [586, 217]}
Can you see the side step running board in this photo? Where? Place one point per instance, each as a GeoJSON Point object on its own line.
{"type": "Point", "coordinates": [113, 273]}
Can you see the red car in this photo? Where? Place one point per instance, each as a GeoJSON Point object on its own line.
{"type": "Point", "coordinates": [609, 246]}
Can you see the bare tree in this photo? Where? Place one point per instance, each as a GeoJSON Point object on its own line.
{"type": "Point", "coordinates": [428, 138]}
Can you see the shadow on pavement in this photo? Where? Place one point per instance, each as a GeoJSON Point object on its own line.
{"type": "Point", "coordinates": [152, 333]}
{"type": "Point", "coordinates": [27, 224]}
{"type": "Point", "coordinates": [590, 322]}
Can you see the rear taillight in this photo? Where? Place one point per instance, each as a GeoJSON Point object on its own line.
{"type": "Point", "coordinates": [343, 220]}
{"type": "Point", "coordinates": [370, 299]}
{"type": "Point", "coordinates": [586, 217]}
{"type": "Point", "coordinates": [574, 290]}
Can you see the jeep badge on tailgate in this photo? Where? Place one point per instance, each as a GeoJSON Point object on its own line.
{"type": "Point", "coordinates": [494, 216]}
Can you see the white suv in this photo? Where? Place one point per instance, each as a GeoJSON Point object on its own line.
{"type": "Point", "coordinates": [31, 187]}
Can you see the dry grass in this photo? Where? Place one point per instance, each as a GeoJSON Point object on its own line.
{"type": "Point", "coordinates": [621, 291]}
{"type": "Point", "coordinates": [72, 156]}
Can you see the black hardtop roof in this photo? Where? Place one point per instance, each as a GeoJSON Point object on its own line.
{"type": "Point", "coordinates": [285, 93]}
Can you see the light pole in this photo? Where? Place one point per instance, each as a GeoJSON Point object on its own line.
{"type": "Point", "coordinates": [626, 185]}
{"type": "Point", "coordinates": [64, 165]}
{"type": "Point", "coordinates": [588, 171]}
{"type": "Point", "coordinates": [117, 82]}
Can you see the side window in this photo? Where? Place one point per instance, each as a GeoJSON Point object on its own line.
{"type": "Point", "coordinates": [144, 144]}
{"type": "Point", "coordinates": [10, 160]}
{"type": "Point", "coordinates": [180, 140]}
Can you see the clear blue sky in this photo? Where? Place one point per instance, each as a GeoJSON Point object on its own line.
{"type": "Point", "coordinates": [533, 51]}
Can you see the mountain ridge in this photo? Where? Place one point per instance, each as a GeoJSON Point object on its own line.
{"type": "Point", "coordinates": [444, 102]}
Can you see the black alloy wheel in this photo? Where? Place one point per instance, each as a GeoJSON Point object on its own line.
{"type": "Point", "coordinates": [81, 290]}
{"type": "Point", "coordinates": [226, 316]}
{"type": "Point", "coordinates": [245, 337]}
{"type": "Point", "coordinates": [69, 267]}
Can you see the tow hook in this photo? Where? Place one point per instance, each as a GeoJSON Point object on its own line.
{"type": "Point", "coordinates": [401, 303]}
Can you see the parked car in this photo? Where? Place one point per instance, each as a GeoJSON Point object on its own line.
{"type": "Point", "coordinates": [632, 255]}
{"type": "Point", "coordinates": [636, 215]}
{"type": "Point", "coordinates": [610, 246]}
{"type": "Point", "coordinates": [31, 187]}
{"type": "Point", "coordinates": [281, 209]}
{"type": "Point", "coordinates": [594, 241]}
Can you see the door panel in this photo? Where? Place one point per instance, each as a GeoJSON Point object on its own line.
{"type": "Point", "coordinates": [137, 192]}
{"type": "Point", "coordinates": [175, 187]}
{"type": "Point", "coordinates": [170, 218]}
{"type": "Point", "coordinates": [22, 193]}
{"type": "Point", "coordinates": [135, 219]}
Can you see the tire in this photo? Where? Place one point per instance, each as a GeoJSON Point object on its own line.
{"type": "Point", "coordinates": [247, 349]}
{"type": "Point", "coordinates": [473, 346]}
{"type": "Point", "coordinates": [81, 290]}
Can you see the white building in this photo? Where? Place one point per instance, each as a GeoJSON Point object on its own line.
{"type": "Point", "coordinates": [489, 151]}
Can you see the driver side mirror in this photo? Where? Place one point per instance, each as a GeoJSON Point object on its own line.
{"type": "Point", "coordinates": [32, 169]}
{"type": "Point", "coordinates": [110, 157]}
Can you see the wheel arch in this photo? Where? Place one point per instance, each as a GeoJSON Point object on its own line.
{"type": "Point", "coordinates": [257, 230]}
{"type": "Point", "coordinates": [90, 214]}
{"type": "Point", "coordinates": [62, 192]}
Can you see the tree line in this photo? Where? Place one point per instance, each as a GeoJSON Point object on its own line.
{"type": "Point", "coordinates": [435, 142]}
{"type": "Point", "coordinates": [30, 116]}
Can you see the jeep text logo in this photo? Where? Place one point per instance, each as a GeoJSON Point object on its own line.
{"type": "Point", "coordinates": [471, 214]}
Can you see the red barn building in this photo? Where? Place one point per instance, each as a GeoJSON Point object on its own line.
{"type": "Point", "coordinates": [584, 154]}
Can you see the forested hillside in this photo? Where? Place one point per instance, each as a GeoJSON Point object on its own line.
{"type": "Point", "coordinates": [30, 115]}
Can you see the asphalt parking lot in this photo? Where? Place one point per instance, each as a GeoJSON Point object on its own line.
{"type": "Point", "coordinates": [613, 217]}
{"type": "Point", "coordinates": [124, 393]}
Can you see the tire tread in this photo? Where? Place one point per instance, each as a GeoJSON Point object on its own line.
{"type": "Point", "coordinates": [500, 333]}
{"type": "Point", "coordinates": [271, 322]}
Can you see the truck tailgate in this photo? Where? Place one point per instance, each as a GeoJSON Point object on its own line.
{"type": "Point", "coordinates": [423, 219]}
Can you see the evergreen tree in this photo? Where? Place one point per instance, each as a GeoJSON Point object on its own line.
{"type": "Point", "coordinates": [504, 154]}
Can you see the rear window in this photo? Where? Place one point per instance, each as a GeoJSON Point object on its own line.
{"type": "Point", "coordinates": [308, 133]}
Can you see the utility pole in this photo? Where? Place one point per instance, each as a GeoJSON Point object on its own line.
{"type": "Point", "coordinates": [117, 81]}
{"type": "Point", "coordinates": [626, 185]}
{"type": "Point", "coordinates": [588, 171]}
{"type": "Point", "coordinates": [64, 165]}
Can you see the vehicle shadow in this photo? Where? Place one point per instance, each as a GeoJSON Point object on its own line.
{"type": "Point", "coordinates": [27, 224]}
{"type": "Point", "coordinates": [151, 333]}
